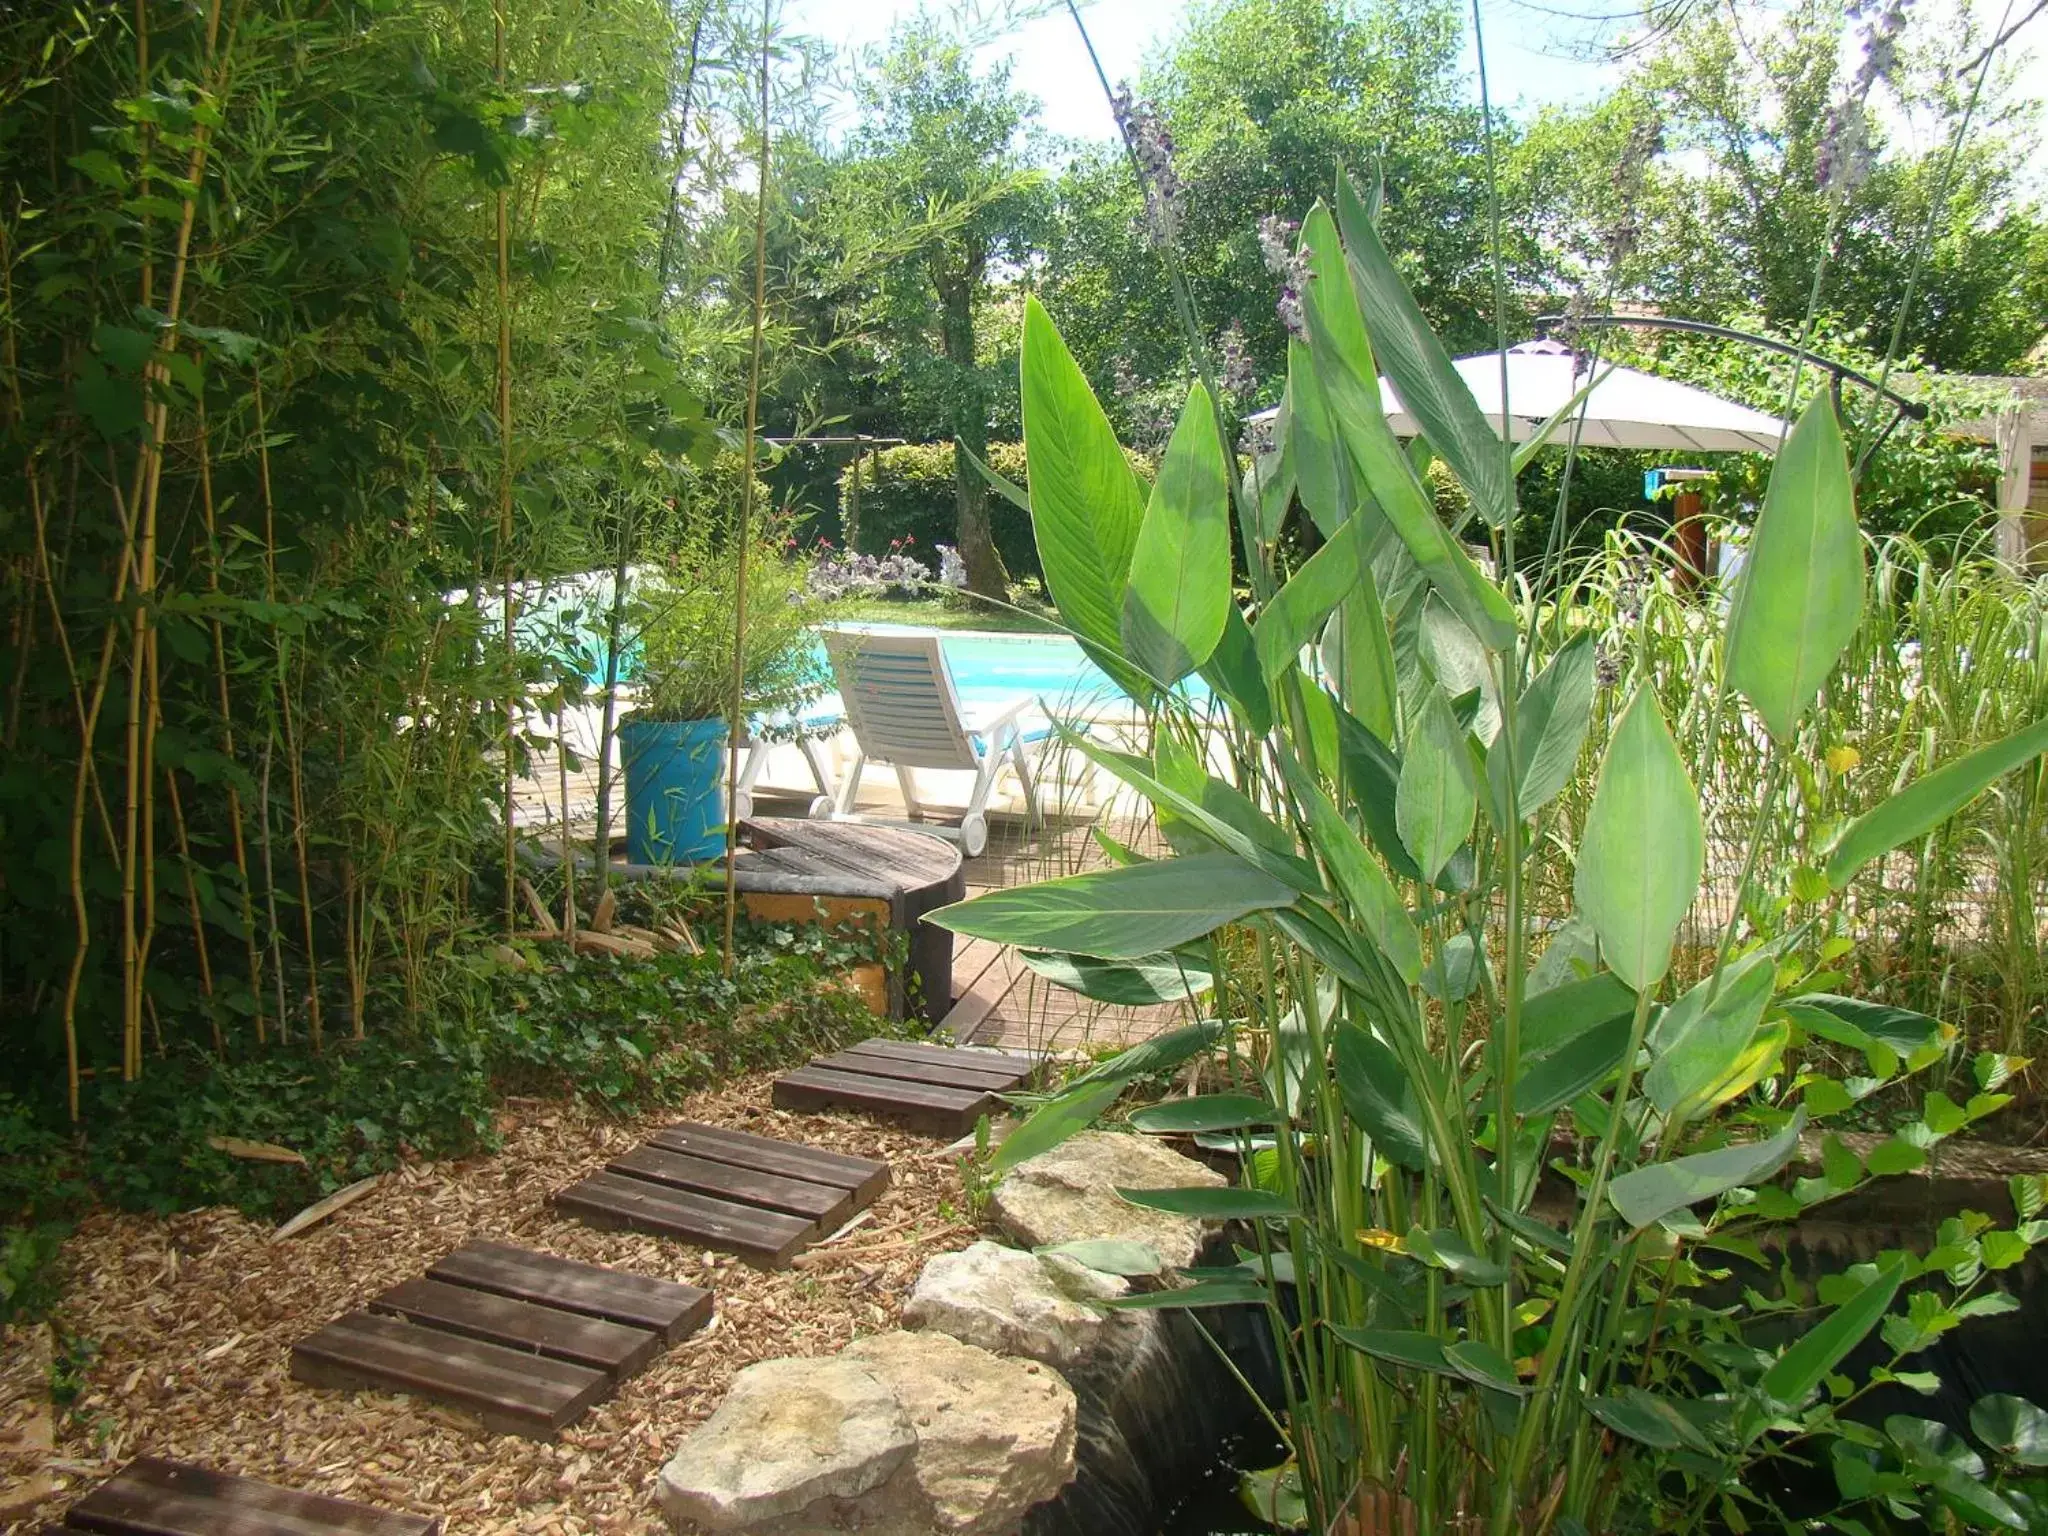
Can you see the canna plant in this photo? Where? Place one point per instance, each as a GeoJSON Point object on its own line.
{"type": "Point", "coordinates": [1492, 1155]}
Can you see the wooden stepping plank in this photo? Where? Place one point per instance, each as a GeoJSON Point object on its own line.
{"type": "Point", "coordinates": [1019, 1064]}
{"type": "Point", "coordinates": [767, 1238]}
{"type": "Point", "coordinates": [863, 1176]}
{"type": "Point", "coordinates": [671, 1311]}
{"type": "Point", "coordinates": [922, 1106]}
{"type": "Point", "coordinates": [945, 1073]}
{"type": "Point", "coordinates": [150, 1497]}
{"type": "Point", "coordinates": [515, 1392]}
{"type": "Point", "coordinates": [823, 1204]}
{"type": "Point", "coordinates": [613, 1348]}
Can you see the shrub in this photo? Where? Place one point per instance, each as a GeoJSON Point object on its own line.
{"type": "Point", "coordinates": [906, 497]}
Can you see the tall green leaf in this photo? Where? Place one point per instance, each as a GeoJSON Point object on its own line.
{"type": "Point", "coordinates": [1321, 473]}
{"type": "Point", "coordinates": [1065, 1115]}
{"type": "Point", "coordinates": [1819, 1350]}
{"type": "Point", "coordinates": [1550, 728]}
{"type": "Point", "coordinates": [1120, 914]}
{"type": "Point", "coordinates": [1358, 655]}
{"type": "Point", "coordinates": [1086, 505]}
{"type": "Point", "coordinates": [1436, 800]}
{"type": "Point", "coordinates": [1647, 1195]}
{"type": "Point", "coordinates": [1800, 595]}
{"type": "Point", "coordinates": [1703, 1035]}
{"type": "Point", "coordinates": [1421, 369]}
{"type": "Point", "coordinates": [1378, 1095]}
{"type": "Point", "coordinates": [1643, 849]}
{"type": "Point", "coordinates": [1573, 1038]}
{"type": "Point", "coordinates": [1233, 671]}
{"type": "Point", "coordinates": [1344, 360]}
{"type": "Point", "coordinates": [1298, 609]}
{"type": "Point", "coordinates": [1174, 605]}
{"type": "Point", "coordinates": [1373, 900]}
{"type": "Point", "coordinates": [1930, 800]}
{"type": "Point", "coordinates": [1138, 983]}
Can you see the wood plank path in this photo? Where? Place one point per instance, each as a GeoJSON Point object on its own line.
{"type": "Point", "coordinates": [762, 1199]}
{"type": "Point", "coordinates": [525, 1340]}
{"type": "Point", "coordinates": [149, 1497]}
{"type": "Point", "coordinates": [941, 1090]}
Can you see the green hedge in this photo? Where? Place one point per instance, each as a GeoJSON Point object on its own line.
{"type": "Point", "coordinates": [906, 494]}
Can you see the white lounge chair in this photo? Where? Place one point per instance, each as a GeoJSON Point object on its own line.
{"type": "Point", "coordinates": [904, 711]}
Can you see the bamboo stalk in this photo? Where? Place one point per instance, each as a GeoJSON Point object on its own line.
{"type": "Point", "coordinates": [198, 916]}
{"type": "Point", "coordinates": [138, 840]}
{"type": "Point", "coordinates": [227, 733]}
{"type": "Point", "coordinates": [736, 725]}
{"type": "Point", "coordinates": [294, 768]}
{"type": "Point", "coordinates": [504, 243]}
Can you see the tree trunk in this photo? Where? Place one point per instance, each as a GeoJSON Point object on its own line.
{"type": "Point", "coordinates": [985, 573]}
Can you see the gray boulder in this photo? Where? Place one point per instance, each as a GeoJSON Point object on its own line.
{"type": "Point", "coordinates": [1016, 1303]}
{"type": "Point", "coordinates": [994, 1436]}
{"type": "Point", "coordinates": [790, 1434]}
{"type": "Point", "coordinates": [1070, 1193]}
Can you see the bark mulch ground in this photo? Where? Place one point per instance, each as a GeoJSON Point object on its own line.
{"type": "Point", "coordinates": [193, 1317]}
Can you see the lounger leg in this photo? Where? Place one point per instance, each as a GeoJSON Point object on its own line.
{"type": "Point", "coordinates": [822, 804]}
{"type": "Point", "coordinates": [1034, 816]}
{"type": "Point", "coordinates": [907, 782]}
{"type": "Point", "coordinates": [849, 787]}
{"type": "Point", "coordinates": [750, 774]}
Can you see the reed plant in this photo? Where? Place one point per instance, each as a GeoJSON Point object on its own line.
{"type": "Point", "coordinates": [1505, 1097]}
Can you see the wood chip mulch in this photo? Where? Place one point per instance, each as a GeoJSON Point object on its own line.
{"type": "Point", "coordinates": [194, 1317]}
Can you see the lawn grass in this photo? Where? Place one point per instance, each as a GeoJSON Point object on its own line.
{"type": "Point", "coordinates": [1027, 616]}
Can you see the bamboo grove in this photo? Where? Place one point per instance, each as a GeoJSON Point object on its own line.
{"type": "Point", "coordinates": [326, 329]}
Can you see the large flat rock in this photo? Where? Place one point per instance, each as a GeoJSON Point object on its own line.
{"type": "Point", "coordinates": [1010, 1302]}
{"type": "Point", "coordinates": [790, 1434]}
{"type": "Point", "coordinates": [994, 1436]}
{"type": "Point", "coordinates": [1070, 1193]}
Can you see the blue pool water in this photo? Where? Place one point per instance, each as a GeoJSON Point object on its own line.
{"type": "Point", "coordinates": [991, 671]}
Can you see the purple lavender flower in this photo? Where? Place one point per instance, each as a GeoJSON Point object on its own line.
{"type": "Point", "coordinates": [1235, 377]}
{"type": "Point", "coordinates": [1286, 261]}
{"type": "Point", "coordinates": [1847, 154]}
{"type": "Point", "coordinates": [1152, 149]}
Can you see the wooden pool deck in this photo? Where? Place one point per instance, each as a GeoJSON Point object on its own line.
{"type": "Point", "coordinates": [997, 999]}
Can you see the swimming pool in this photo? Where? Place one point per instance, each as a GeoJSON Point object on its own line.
{"type": "Point", "coordinates": [992, 670]}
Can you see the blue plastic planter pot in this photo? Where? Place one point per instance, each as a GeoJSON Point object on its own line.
{"type": "Point", "coordinates": [675, 789]}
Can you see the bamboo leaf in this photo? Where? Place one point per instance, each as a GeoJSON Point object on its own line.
{"type": "Point", "coordinates": [1120, 914]}
{"type": "Point", "coordinates": [1358, 656]}
{"type": "Point", "coordinates": [1436, 799]}
{"type": "Point", "coordinates": [1930, 800]}
{"type": "Point", "coordinates": [1179, 588]}
{"type": "Point", "coordinates": [1648, 1419]}
{"type": "Point", "coordinates": [1647, 1195]}
{"type": "Point", "coordinates": [1421, 369]}
{"type": "Point", "coordinates": [1800, 595]}
{"type": "Point", "coordinates": [1086, 503]}
{"type": "Point", "coordinates": [1643, 849]}
{"type": "Point", "coordinates": [1108, 1255]}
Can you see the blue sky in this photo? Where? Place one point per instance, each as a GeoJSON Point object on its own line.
{"type": "Point", "coordinates": [1532, 56]}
